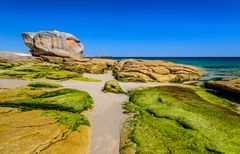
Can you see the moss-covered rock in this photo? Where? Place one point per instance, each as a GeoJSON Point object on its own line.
{"type": "Point", "coordinates": [39, 71]}
{"type": "Point", "coordinates": [113, 87]}
{"type": "Point", "coordinates": [39, 118]}
{"type": "Point", "coordinates": [64, 100]}
{"type": "Point", "coordinates": [83, 65]}
{"type": "Point", "coordinates": [37, 96]}
{"type": "Point", "coordinates": [175, 119]}
{"type": "Point", "coordinates": [43, 85]}
{"type": "Point", "coordinates": [4, 66]}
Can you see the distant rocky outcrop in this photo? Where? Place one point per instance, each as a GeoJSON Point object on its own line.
{"type": "Point", "coordinates": [123, 70]}
{"type": "Point", "coordinates": [53, 43]}
{"type": "Point", "coordinates": [155, 70]}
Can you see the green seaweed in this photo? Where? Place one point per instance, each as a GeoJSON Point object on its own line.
{"type": "Point", "coordinates": [64, 100]}
{"type": "Point", "coordinates": [174, 119]}
{"type": "Point", "coordinates": [63, 104]}
{"type": "Point", "coordinates": [113, 87]}
{"type": "Point", "coordinates": [86, 79]}
{"type": "Point", "coordinates": [4, 66]}
{"type": "Point", "coordinates": [37, 71]}
{"type": "Point", "coordinates": [44, 71]}
{"type": "Point", "coordinates": [62, 75]}
{"type": "Point", "coordinates": [44, 85]}
{"type": "Point", "coordinates": [72, 120]}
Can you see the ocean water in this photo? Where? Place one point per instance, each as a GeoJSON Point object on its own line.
{"type": "Point", "coordinates": [217, 67]}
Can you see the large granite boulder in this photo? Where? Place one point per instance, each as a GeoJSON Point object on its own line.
{"type": "Point", "coordinates": [53, 43]}
{"type": "Point", "coordinates": [155, 70]}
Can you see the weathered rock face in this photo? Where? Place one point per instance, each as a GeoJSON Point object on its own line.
{"type": "Point", "coordinates": [53, 43]}
{"type": "Point", "coordinates": [131, 70]}
{"type": "Point", "coordinates": [151, 70]}
{"type": "Point", "coordinates": [86, 65]}
{"type": "Point", "coordinates": [226, 86]}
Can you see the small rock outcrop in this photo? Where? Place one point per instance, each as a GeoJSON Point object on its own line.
{"type": "Point", "coordinates": [53, 43]}
{"type": "Point", "coordinates": [113, 87]}
{"type": "Point", "coordinates": [86, 65]}
{"type": "Point", "coordinates": [226, 86]}
{"type": "Point", "coordinates": [155, 70]}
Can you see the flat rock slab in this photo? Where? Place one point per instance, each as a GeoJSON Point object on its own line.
{"type": "Point", "coordinates": [28, 132]}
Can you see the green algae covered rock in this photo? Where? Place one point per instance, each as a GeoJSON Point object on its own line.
{"type": "Point", "coordinates": [180, 119]}
{"type": "Point", "coordinates": [43, 85]}
{"type": "Point", "coordinates": [40, 114]}
{"type": "Point", "coordinates": [113, 87]}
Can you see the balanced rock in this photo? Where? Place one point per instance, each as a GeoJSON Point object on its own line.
{"type": "Point", "coordinates": [53, 43]}
{"type": "Point", "coordinates": [155, 70]}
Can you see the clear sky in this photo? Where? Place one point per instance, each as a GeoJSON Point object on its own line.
{"type": "Point", "coordinates": [129, 27]}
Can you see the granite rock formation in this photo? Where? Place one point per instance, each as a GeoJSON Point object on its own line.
{"type": "Point", "coordinates": [127, 70]}
{"type": "Point", "coordinates": [226, 86]}
{"type": "Point", "coordinates": [155, 70]}
{"type": "Point", "coordinates": [83, 65]}
{"type": "Point", "coordinates": [53, 43]}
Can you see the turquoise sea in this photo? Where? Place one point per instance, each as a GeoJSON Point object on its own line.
{"type": "Point", "coordinates": [217, 67]}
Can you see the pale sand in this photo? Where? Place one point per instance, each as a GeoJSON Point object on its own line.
{"type": "Point", "coordinates": [106, 117]}
{"type": "Point", "coordinates": [22, 54]}
{"type": "Point", "coordinates": [11, 83]}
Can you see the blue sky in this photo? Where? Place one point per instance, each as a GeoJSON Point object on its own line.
{"type": "Point", "coordinates": [129, 27]}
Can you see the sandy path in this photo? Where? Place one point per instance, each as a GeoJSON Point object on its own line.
{"type": "Point", "coordinates": [11, 83]}
{"type": "Point", "coordinates": [106, 117]}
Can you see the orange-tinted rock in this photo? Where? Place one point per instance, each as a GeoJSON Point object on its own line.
{"type": "Point", "coordinates": [227, 86]}
{"type": "Point", "coordinates": [155, 70]}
